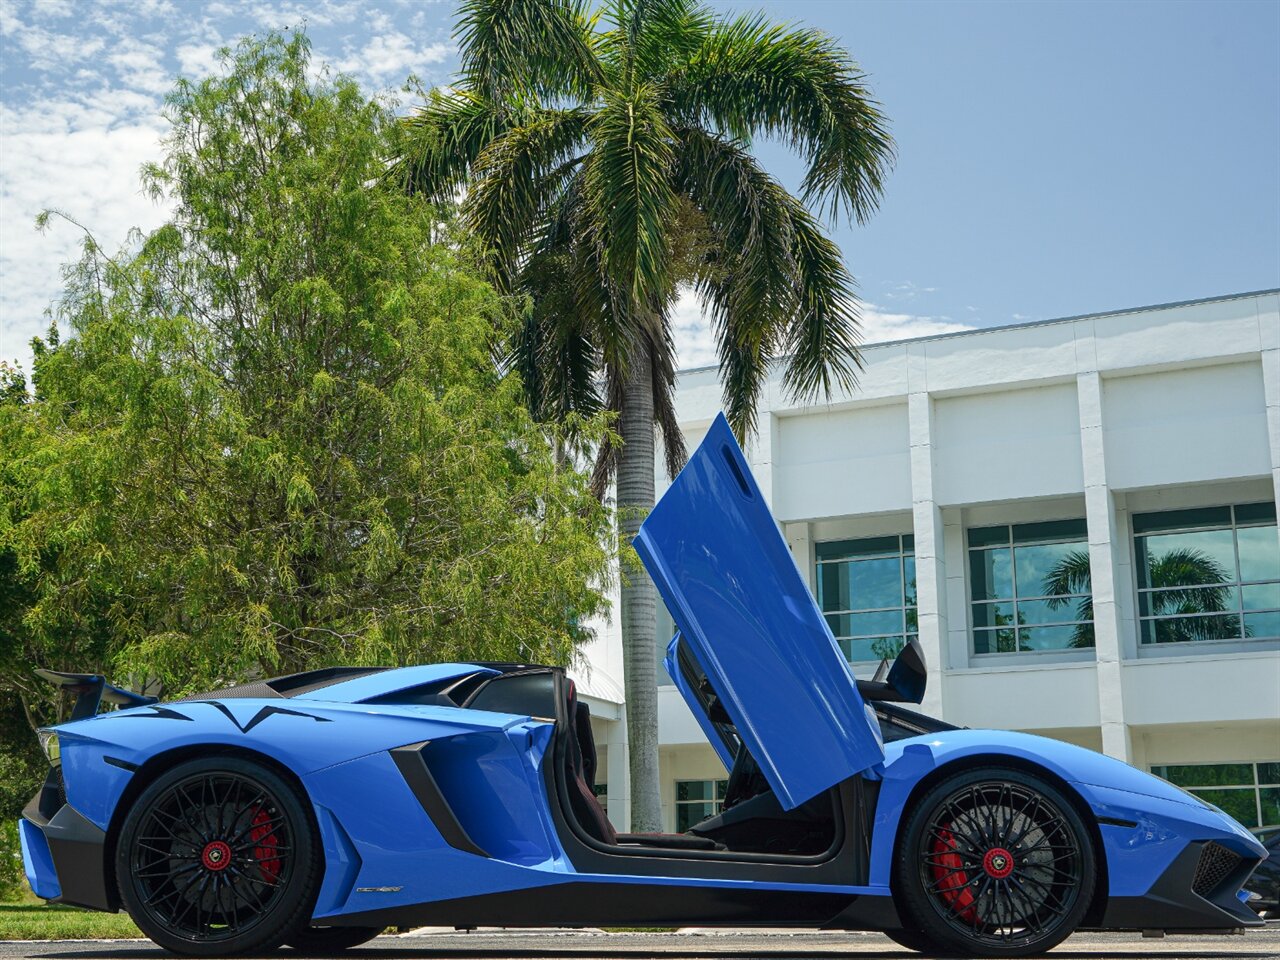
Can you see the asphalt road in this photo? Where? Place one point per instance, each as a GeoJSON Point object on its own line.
{"type": "Point", "coordinates": [738, 945]}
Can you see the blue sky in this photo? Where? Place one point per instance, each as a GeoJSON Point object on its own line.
{"type": "Point", "coordinates": [1054, 158]}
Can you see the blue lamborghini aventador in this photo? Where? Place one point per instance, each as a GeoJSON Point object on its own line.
{"type": "Point", "coordinates": [318, 808]}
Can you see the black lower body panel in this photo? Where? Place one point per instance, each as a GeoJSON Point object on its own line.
{"type": "Point", "coordinates": [1196, 892]}
{"type": "Point", "coordinates": [78, 850]}
{"type": "Point", "coordinates": [577, 904]}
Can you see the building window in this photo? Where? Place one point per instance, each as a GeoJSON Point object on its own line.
{"type": "Point", "coordinates": [1030, 587]}
{"type": "Point", "coordinates": [601, 790]}
{"type": "Point", "coordinates": [696, 800]}
{"type": "Point", "coordinates": [1208, 574]}
{"type": "Point", "coordinates": [1249, 792]}
{"type": "Point", "coordinates": [867, 591]}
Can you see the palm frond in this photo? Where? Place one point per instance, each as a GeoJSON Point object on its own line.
{"type": "Point", "coordinates": [781, 286]}
{"type": "Point", "coordinates": [629, 194]}
{"type": "Point", "coordinates": [553, 352]}
{"type": "Point", "coordinates": [1070, 574]}
{"type": "Point", "coordinates": [443, 139]}
{"type": "Point", "coordinates": [649, 37]}
{"type": "Point", "coordinates": [521, 47]}
{"type": "Point", "coordinates": [823, 335]}
{"type": "Point", "coordinates": [752, 77]}
{"type": "Point", "coordinates": [663, 353]}
{"type": "Point", "coordinates": [517, 178]}
{"type": "Point", "coordinates": [606, 465]}
{"type": "Point", "coordinates": [570, 231]}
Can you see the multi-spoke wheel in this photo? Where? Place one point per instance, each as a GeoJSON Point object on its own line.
{"type": "Point", "coordinates": [218, 857]}
{"type": "Point", "coordinates": [995, 862]}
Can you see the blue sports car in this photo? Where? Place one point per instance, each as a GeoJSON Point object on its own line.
{"type": "Point", "coordinates": [317, 809]}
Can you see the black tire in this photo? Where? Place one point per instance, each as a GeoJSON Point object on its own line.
{"type": "Point", "coordinates": [325, 941]}
{"type": "Point", "coordinates": [994, 862]}
{"type": "Point", "coordinates": [219, 857]}
{"type": "Point", "coordinates": [912, 940]}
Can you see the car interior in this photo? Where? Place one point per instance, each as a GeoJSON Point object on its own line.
{"type": "Point", "coordinates": [751, 820]}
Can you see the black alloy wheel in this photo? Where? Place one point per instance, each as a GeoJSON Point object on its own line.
{"type": "Point", "coordinates": [995, 862]}
{"type": "Point", "coordinates": [218, 857]}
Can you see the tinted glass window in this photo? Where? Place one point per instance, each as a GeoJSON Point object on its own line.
{"type": "Point", "coordinates": [1208, 574]}
{"type": "Point", "coordinates": [1030, 587]}
{"type": "Point", "coordinates": [523, 694]}
{"type": "Point", "coordinates": [867, 590]}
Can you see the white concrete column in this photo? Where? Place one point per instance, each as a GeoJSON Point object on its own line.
{"type": "Point", "coordinates": [931, 568]}
{"type": "Point", "coordinates": [618, 773]}
{"type": "Point", "coordinates": [1104, 535]}
{"type": "Point", "coordinates": [800, 540]}
{"type": "Point", "coordinates": [955, 652]}
{"type": "Point", "coordinates": [759, 453]}
{"type": "Point", "coordinates": [1269, 323]}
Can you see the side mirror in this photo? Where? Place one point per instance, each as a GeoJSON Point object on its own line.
{"type": "Point", "coordinates": [905, 682]}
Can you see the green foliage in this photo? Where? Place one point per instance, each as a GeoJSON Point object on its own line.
{"type": "Point", "coordinates": [31, 919]}
{"type": "Point", "coordinates": [276, 437]}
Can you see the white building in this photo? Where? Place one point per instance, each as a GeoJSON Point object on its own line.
{"type": "Point", "coordinates": [1079, 518]}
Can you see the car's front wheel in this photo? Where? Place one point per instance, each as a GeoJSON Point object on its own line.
{"type": "Point", "coordinates": [994, 862]}
{"type": "Point", "coordinates": [218, 857]}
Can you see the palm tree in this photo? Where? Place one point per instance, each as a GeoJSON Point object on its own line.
{"type": "Point", "coordinates": [606, 162]}
{"type": "Point", "coordinates": [1185, 582]}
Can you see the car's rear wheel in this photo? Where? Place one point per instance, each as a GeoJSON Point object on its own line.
{"type": "Point", "coordinates": [995, 862]}
{"type": "Point", "coordinates": [217, 857]}
{"type": "Point", "coordinates": [324, 941]}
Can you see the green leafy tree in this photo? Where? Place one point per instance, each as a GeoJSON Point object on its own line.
{"type": "Point", "coordinates": [606, 161]}
{"type": "Point", "coordinates": [1188, 582]}
{"type": "Point", "coordinates": [276, 437]}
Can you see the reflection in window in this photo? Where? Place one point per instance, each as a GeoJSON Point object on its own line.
{"type": "Point", "coordinates": [696, 800]}
{"type": "Point", "coordinates": [1208, 574]}
{"type": "Point", "coordinates": [1249, 792]}
{"type": "Point", "coordinates": [867, 591]}
{"type": "Point", "coordinates": [1030, 587]}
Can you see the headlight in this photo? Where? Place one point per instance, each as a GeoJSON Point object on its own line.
{"type": "Point", "coordinates": [49, 744]}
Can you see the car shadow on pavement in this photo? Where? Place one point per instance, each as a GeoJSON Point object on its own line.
{"type": "Point", "coordinates": [1134, 950]}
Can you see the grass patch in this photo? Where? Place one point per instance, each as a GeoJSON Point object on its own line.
{"type": "Point", "coordinates": [35, 920]}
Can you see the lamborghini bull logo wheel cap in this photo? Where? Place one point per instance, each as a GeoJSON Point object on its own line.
{"type": "Point", "coordinates": [216, 855]}
{"type": "Point", "coordinates": [998, 862]}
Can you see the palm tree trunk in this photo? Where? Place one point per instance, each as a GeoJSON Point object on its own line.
{"type": "Point", "coordinates": [635, 499]}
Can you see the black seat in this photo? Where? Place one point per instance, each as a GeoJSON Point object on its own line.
{"type": "Point", "coordinates": [582, 797]}
{"type": "Point", "coordinates": [581, 769]}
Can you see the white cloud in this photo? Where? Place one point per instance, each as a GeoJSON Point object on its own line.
{"type": "Point", "coordinates": [696, 346]}
{"type": "Point", "coordinates": [695, 342]}
{"type": "Point", "coordinates": [47, 50]}
{"type": "Point", "coordinates": [139, 66]}
{"type": "Point", "coordinates": [880, 326]}
{"type": "Point", "coordinates": [52, 9]}
{"type": "Point", "coordinates": [198, 59]}
{"type": "Point", "coordinates": [9, 22]}
{"type": "Point", "coordinates": [89, 170]}
{"type": "Point", "coordinates": [393, 55]}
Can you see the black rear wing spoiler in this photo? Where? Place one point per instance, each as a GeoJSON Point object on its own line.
{"type": "Point", "coordinates": [90, 690]}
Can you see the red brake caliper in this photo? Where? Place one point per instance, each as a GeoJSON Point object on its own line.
{"type": "Point", "coordinates": [265, 841]}
{"type": "Point", "coordinates": [953, 883]}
